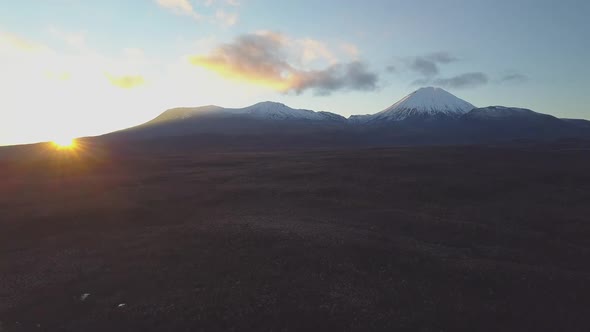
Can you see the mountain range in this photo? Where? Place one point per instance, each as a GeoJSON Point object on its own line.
{"type": "Point", "coordinates": [426, 116]}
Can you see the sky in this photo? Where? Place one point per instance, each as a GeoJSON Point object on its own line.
{"type": "Point", "coordinates": [71, 68]}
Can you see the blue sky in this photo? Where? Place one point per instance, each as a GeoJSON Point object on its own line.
{"type": "Point", "coordinates": [88, 67]}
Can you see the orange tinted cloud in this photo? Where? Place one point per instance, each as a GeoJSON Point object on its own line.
{"type": "Point", "coordinates": [19, 43]}
{"type": "Point", "coordinates": [263, 59]}
{"type": "Point", "coordinates": [126, 82]}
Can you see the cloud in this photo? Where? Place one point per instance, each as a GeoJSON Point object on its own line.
{"type": "Point", "coordinates": [514, 78]}
{"type": "Point", "coordinates": [225, 18]}
{"type": "Point", "coordinates": [312, 50]}
{"type": "Point", "coordinates": [428, 68]}
{"type": "Point", "coordinates": [11, 41]}
{"type": "Point", "coordinates": [217, 9]}
{"type": "Point", "coordinates": [350, 49]}
{"type": "Point", "coordinates": [58, 76]}
{"type": "Point", "coordinates": [441, 57]}
{"type": "Point", "coordinates": [350, 76]}
{"type": "Point", "coordinates": [126, 82]}
{"type": "Point", "coordinates": [424, 67]}
{"type": "Point", "coordinates": [391, 69]}
{"type": "Point", "coordinates": [428, 65]}
{"type": "Point", "coordinates": [463, 81]}
{"type": "Point", "coordinates": [180, 7]}
{"type": "Point", "coordinates": [265, 58]}
{"type": "Point", "coordinates": [422, 82]}
{"type": "Point", "coordinates": [74, 39]}
{"type": "Point", "coordinates": [258, 58]}
{"type": "Point", "coordinates": [65, 77]}
{"type": "Point", "coordinates": [234, 3]}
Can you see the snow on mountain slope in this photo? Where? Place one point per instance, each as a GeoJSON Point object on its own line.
{"type": "Point", "coordinates": [276, 111]}
{"type": "Point", "coordinates": [420, 112]}
{"type": "Point", "coordinates": [360, 119]}
{"type": "Point", "coordinates": [332, 116]}
{"type": "Point", "coordinates": [502, 112]}
{"type": "Point", "coordinates": [510, 123]}
{"type": "Point", "coordinates": [263, 111]}
{"type": "Point", "coordinates": [425, 103]}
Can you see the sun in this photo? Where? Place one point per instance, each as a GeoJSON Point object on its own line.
{"type": "Point", "coordinates": [65, 143]}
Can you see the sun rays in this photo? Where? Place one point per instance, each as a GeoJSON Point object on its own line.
{"type": "Point", "coordinates": [65, 144]}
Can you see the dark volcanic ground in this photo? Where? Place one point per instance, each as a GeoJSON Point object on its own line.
{"type": "Point", "coordinates": [400, 239]}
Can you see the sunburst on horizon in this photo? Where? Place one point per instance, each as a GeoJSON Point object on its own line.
{"type": "Point", "coordinates": [65, 143]}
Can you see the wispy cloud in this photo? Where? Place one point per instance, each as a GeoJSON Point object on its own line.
{"type": "Point", "coordinates": [391, 69]}
{"type": "Point", "coordinates": [428, 65]}
{"type": "Point", "coordinates": [350, 76]}
{"type": "Point", "coordinates": [226, 18]}
{"type": "Point", "coordinates": [180, 7]}
{"type": "Point", "coordinates": [234, 3]}
{"type": "Point", "coordinates": [427, 71]}
{"type": "Point", "coordinates": [20, 57]}
{"type": "Point", "coordinates": [126, 82]}
{"type": "Point", "coordinates": [13, 41]}
{"type": "Point", "coordinates": [514, 78]}
{"type": "Point", "coordinates": [73, 39]}
{"type": "Point", "coordinates": [312, 50]}
{"type": "Point", "coordinates": [463, 81]}
{"type": "Point", "coordinates": [264, 58]}
{"type": "Point", "coordinates": [350, 49]}
{"type": "Point", "coordinates": [64, 77]}
{"type": "Point", "coordinates": [223, 12]}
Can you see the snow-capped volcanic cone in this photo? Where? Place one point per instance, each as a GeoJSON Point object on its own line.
{"type": "Point", "coordinates": [424, 104]}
